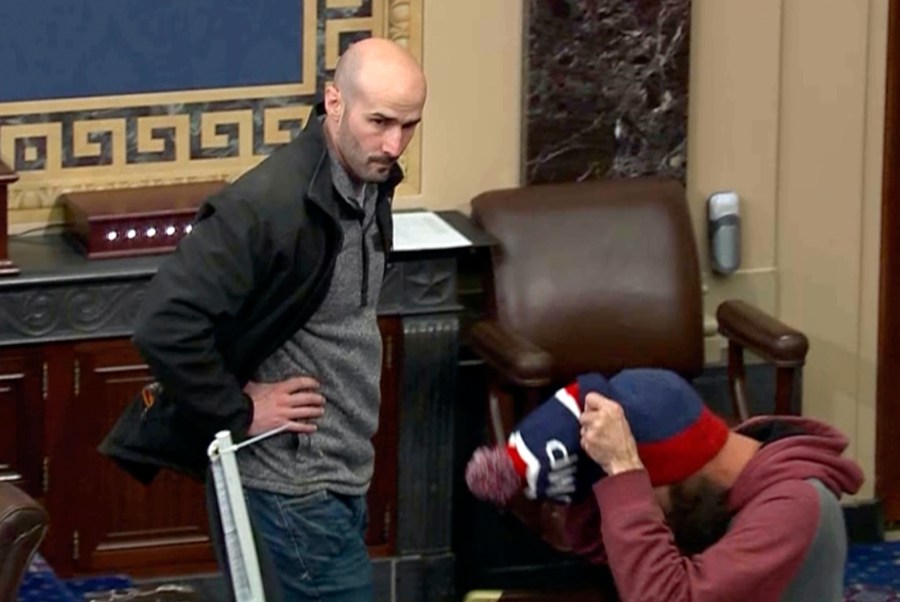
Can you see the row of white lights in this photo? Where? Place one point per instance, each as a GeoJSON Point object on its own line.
{"type": "Point", "coordinates": [150, 232]}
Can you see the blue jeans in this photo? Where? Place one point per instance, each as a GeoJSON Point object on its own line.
{"type": "Point", "coordinates": [316, 543]}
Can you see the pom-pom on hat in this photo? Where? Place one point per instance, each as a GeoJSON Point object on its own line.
{"type": "Point", "coordinates": [676, 433]}
{"type": "Point", "coordinates": [492, 476]}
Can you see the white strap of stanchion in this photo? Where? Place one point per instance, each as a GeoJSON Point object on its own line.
{"type": "Point", "coordinates": [239, 545]}
{"type": "Point", "coordinates": [259, 437]}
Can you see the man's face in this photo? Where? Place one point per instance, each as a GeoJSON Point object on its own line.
{"type": "Point", "coordinates": [373, 132]}
{"type": "Point", "coordinates": [696, 511]}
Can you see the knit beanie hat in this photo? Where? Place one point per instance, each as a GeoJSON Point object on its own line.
{"type": "Point", "coordinates": [676, 433]}
{"type": "Point", "coordinates": [676, 436]}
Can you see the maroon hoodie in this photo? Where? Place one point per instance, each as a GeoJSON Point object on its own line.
{"type": "Point", "coordinates": [785, 542]}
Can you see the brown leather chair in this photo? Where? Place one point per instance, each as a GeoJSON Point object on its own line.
{"type": "Point", "coordinates": [23, 523]}
{"type": "Point", "coordinates": [601, 276]}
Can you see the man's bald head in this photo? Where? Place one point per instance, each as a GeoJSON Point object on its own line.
{"type": "Point", "coordinates": [373, 107]}
{"type": "Point", "coordinates": [374, 63]}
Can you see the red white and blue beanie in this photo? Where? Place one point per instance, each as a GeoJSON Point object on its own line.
{"type": "Point", "coordinates": [676, 433]}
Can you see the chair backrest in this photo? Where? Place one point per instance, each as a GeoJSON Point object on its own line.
{"type": "Point", "coordinates": [603, 275]}
{"type": "Point", "coordinates": [23, 523]}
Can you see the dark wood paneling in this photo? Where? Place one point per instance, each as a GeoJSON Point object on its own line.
{"type": "Point", "coordinates": [381, 535]}
{"type": "Point", "coordinates": [21, 410]}
{"type": "Point", "coordinates": [887, 459]}
{"type": "Point", "coordinates": [102, 520]}
{"type": "Point", "coordinates": [7, 178]}
{"type": "Point", "coordinates": [426, 416]}
{"type": "Point", "coordinates": [120, 524]}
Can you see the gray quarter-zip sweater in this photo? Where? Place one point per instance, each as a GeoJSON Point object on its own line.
{"type": "Point", "coordinates": [341, 347]}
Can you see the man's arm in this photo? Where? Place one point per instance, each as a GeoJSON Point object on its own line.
{"type": "Point", "coordinates": [204, 282]}
{"type": "Point", "coordinates": [607, 440]}
{"type": "Point", "coordinates": [755, 560]}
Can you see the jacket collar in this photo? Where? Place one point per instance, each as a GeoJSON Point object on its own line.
{"type": "Point", "coordinates": [320, 186]}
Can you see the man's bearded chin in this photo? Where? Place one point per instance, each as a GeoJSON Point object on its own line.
{"type": "Point", "coordinates": [698, 515]}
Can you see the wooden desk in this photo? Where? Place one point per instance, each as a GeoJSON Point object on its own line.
{"type": "Point", "coordinates": [67, 368]}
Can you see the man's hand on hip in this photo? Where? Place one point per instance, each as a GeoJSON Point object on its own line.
{"type": "Point", "coordinates": [294, 403]}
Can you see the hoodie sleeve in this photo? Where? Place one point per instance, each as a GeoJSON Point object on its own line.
{"type": "Point", "coordinates": [755, 560]}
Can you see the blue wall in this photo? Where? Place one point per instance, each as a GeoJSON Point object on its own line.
{"type": "Point", "coordinates": [76, 48]}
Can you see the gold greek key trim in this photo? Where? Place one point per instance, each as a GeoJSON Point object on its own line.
{"type": "Point", "coordinates": [164, 150]}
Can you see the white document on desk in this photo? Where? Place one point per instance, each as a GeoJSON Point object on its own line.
{"type": "Point", "coordinates": [425, 230]}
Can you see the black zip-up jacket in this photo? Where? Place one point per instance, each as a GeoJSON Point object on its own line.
{"type": "Point", "coordinates": [255, 267]}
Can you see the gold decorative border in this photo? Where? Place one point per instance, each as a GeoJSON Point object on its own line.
{"type": "Point", "coordinates": [98, 154]}
{"type": "Point", "coordinates": [404, 25]}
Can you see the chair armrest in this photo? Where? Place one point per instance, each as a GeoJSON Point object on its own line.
{"type": "Point", "coordinates": [514, 357]}
{"type": "Point", "coordinates": [769, 338]}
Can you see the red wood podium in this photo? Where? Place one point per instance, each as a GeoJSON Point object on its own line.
{"type": "Point", "coordinates": [7, 177]}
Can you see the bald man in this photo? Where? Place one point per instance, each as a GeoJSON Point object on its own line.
{"type": "Point", "coordinates": [264, 319]}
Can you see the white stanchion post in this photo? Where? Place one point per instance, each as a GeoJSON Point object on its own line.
{"type": "Point", "coordinates": [241, 550]}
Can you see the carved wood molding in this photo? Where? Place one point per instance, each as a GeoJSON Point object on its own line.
{"type": "Point", "coordinates": [64, 312]}
{"type": "Point", "coordinates": [402, 15]}
{"type": "Point", "coordinates": [57, 311]}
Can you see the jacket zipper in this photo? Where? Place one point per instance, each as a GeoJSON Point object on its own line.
{"type": "Point", "coordinates": [365, 261]}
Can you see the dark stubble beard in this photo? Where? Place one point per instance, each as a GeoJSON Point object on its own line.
{"type": "Point", "coordinates": [698, 516]}
{"type": "Point", "coordinates": [358, 161]}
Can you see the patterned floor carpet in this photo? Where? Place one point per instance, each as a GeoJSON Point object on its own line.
{"type": "Point", "coordinates": [873, 575]}
{"type": "Point", "coordinates": [873, 572]}
{"type": "Point", "coordinates": [42, 585]}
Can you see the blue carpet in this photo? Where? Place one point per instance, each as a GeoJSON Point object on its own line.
{"type": "Point", "coordinates": [873, 575]}
{"type": "Point", "coordinates": [873, 572]}
{"type": "Point", "coordinates": [41, 584]}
